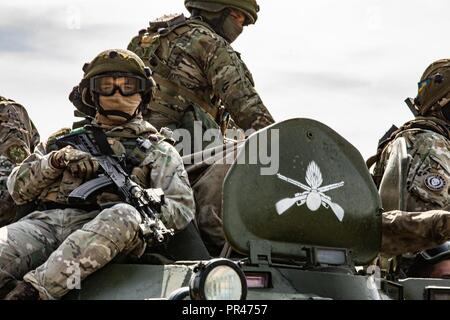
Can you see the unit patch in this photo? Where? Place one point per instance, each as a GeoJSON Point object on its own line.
{"type": "Point", "coordinates": [17, 153]}
{"type": "Point", "coordinates": [435, 182]}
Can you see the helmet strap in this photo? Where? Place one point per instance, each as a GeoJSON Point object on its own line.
{"type": "Point", "coordinates": [86, 98]}
{"type": "Point", "coordinates": [196, 14]}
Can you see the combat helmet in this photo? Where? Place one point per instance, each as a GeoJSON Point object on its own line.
{"type": "Point", "coordinates": [249, 7]}
{"type": "Point", "coordinates": [116, 61]}
{"type": "Point", "coordinates": [434, 86]}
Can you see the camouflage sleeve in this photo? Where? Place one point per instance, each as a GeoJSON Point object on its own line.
{"type": "Point", "coordinates": [429, 172]}
{"type": "Point", "coordinates": [34, 175]}
{"type": "Point", "coordinates": [7, 207]}
{"type": "Point", "coordinates": [35, 137]}
{"type": "Point", "coordinates": [405, 232]}
{"type": "Point", "coordinates": [17, 132]}
{"type": "Point", "coordinates": [233, 84]}
{"type": "Point", "coordinates": [168, 173]}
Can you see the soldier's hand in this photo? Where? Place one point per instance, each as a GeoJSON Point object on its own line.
{"type": "Point", "coordinates": [63, 157]}
{"type": "Point", "coordinates": [85, 168]}
{"type": "Point", "coordinates": [79, 163]}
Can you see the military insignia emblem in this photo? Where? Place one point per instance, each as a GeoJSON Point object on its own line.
{"type": "Point", "coordinates": [17, 154]}
{"type": "Point", "coordinates": [313, 194]}
{"type": "Point", "coordinates": [435, 182]}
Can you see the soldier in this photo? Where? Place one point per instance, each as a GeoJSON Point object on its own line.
{"type": "Point", "coordinates": [424, 193]}
{"type": "Point", "coordinates": [62, 243]}
{"type": "Point", "coordinates": [197, 71]}
{"type": "Point", "coordinates": [19, 138]}
{"type": "Point", "coordinates": [201, 79]}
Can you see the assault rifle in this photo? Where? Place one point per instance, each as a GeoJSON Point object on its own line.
{"type": "Point", "coordinates": [147, 202]}
{"type": "Point", "coordinates": [412, 106]}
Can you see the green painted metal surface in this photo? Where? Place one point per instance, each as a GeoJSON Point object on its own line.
{"type": "Point", "coordinates": [250, 198]}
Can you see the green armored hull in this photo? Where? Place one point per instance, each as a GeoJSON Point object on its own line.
{"type": "Point", "coordinates": [299, 232]}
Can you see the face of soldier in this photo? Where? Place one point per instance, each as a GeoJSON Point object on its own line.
{"type": "Point", "coordinates": [440, 270]}
{"type": "Point", "coordinates": [233, 25]}
{"type": "Point", "coordinates": [118, 98]}
{"type": "Point", "coordinates": [238, 16]}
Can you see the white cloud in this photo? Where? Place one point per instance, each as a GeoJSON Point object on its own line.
{"type": "Point", "coordinates": [347, 63]}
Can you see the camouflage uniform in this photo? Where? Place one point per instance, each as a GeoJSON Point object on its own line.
{"type": "Point", "coordinates": [64, 245]}
{"type": "Point", "coordinates": [207, 179]}
{"type": "Point", "coordinates": [426, 185]}
{"type": "Point", "coordinates": [429, 165]}
{"type": "Point", "coordinates": [19, 138]}
{"type": "Point", "coordinates": [197, 70]}
{"type": "Point", "coordinates": [405, 232]}
{"type": "Point", "coordinates": [201, 78]}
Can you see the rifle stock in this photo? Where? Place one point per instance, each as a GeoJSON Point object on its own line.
{"type": "Point", "coordinates": [337, 209]}
{"type": "Point", "coordinates": [285, 204]}
{"type": "Point", "coordinates": [412, 106]}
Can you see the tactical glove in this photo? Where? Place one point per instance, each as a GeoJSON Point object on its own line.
{"type": "Point", "coordinates": [79, 163]}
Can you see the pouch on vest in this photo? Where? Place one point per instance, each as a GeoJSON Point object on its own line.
{"type": "Point", "coordinates": [196, 117]}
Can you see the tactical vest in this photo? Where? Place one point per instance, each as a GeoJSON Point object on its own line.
{"type": "Point", "coordinates": [131, 146]}
{"type": "Point", "coordinates": [425, 123]}
{"type": "Point", "coordinates": [153, 45]}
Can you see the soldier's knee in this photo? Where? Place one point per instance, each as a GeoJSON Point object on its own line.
{"type": "Point", "coordinates": [121, 213]}
{"type": "Point", "coordinates": [127, 213]}
{"type": "Point", "coordinates": [119, 223]}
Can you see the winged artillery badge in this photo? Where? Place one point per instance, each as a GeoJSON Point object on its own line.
{"type": "Point", "coordinates": [313, 194]}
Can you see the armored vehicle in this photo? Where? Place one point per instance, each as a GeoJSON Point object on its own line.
{"type": "Point", "coordinates": [301, 215]}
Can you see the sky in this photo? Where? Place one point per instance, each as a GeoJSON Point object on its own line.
{"type": "Point", "coordinates": [349, 64]}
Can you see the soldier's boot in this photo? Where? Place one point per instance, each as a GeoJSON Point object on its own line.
{"type": "Point", "coordinates": [23, 291]}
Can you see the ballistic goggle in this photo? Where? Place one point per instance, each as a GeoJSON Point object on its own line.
{"type": "Point", "coordinates": [437, 78]}
{"type": "Point", "coordinates": [128, 85]}
{"type": "Point", "coordinates": [436, 254]}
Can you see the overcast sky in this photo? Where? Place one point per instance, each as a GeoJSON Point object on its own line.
{"type": "Point", "coordinates": [347, 63]}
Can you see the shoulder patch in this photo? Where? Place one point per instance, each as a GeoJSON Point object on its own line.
{"type": "Point", "coordinates": [17, 153]}
{"type": "Point", "coordinates": [435, 182]}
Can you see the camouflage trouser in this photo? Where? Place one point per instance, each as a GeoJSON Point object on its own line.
{"type": "Point", "coordinates": [65, 246]}
{"type": "Point", "coordinates": [207, 184]}
{"type": "Point", "coordinates": [208, 198]}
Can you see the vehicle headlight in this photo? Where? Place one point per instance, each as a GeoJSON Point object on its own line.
{"type": "Point", "coordinates": [219, 279]}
